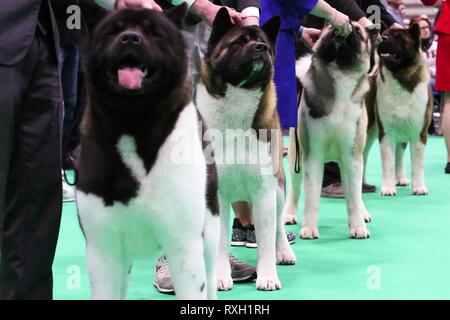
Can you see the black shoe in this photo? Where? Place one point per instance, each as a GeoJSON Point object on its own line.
{"type": "Point", "coordinates": [334, 190]}
{"type": "Point", "coordinates": [239, 234]}
{"type": "Point", "coordinates": [368, 188]}
{"type": "Point", "coordinates": [447, 168]}
{"type": "Point", "coordinates": [251, 237]}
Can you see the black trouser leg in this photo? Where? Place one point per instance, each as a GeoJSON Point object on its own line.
{"type": "Point", "coordinates": [32, 212]}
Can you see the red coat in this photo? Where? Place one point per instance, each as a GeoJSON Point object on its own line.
{"type": "Point", "coordinates": [443, 23]}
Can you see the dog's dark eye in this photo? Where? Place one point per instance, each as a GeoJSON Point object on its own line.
{"type": "Point", "coordinates": [239, 42]}
{"type": "Point", "coordinates": [150, 29]}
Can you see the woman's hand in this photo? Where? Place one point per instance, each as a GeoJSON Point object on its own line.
{"type": "Point", "coordinates": [310, 36]}
{"type": "Point", "coordinates": [341, 23]}
{"type": "Point", "coordinates": [208, 11]}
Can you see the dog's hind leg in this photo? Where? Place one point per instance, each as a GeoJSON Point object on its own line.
{"type": "Point", "coordinates": [107, 271]}
{"type": "Point", "coordinates": [387, 148]}
{"type": "Point", "coordinates": [285, 254]}
{"type": "Point", "coordinates": [264, 217]}
{"type": "Point", "coordinates": [313, 175]}
{"type": "Point", "coordinates": [223, 268]}
{"type": "Point", "coordinates": [371, 137]}
{"type": "Point", "coordinates": [418, 168]}
{"type": "Point", "coordinates": [290, 211]}
{"type": "Point", "coordinates": [400, 173]}
{"type": "Point", "coordinates": [352, 172]}
{"type": "Point", "coordinates": [211, 244]}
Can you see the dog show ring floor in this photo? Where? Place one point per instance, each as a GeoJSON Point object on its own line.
{"type": "Point", "coordinates": [406, 257]}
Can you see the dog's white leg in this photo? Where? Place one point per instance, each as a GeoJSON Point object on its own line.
{"type": "Point", "coordinates": [211, 243]}
{"type": "Point", "coordinates": [290, 211]}
{"type": "Point", "coordinates": [387, 147]}
{"type": "Point", "coordinates": [285, 254]}
{"type": "Point", "coordinates": [400, 174]}
{"type": "Point", "coordinates": [352, 173]}
{"type": "Point", "coordinates": [107, 270]}
{"type": "Point", "coordinates": [371, 137]}
{"type": "Point", "coordinates": [187, 267]}
{"type": "Point", "coordinates": [313, 175]}
{"type": "Point", "coordinates": [418, 168]}
{"type": "Point", "coordinates": [223, 268]}
{"type": "Point", "coordinates": [264, 218]}
{"type": "Point", "coordinates": [125, 283]}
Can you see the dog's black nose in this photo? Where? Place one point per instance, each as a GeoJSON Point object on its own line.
{"type": "Point", "coordinates": [131, 38]}
{"type": "Point", "coordinates": [261, 46]}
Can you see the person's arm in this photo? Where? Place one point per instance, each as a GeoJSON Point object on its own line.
{"type": "Point", "coordinates": [250, 9]}
{"type": "Point", "coordinates": [338, 20]}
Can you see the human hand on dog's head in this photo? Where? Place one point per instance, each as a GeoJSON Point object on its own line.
{"type": "Point", "coordinates": [149, 4]}
{"type": "Point", "coordinates": [310, 36]}
{"type": "Point", "coordinates": [208, 11]}
{"type": "Point", "coordinates": [341, 23]}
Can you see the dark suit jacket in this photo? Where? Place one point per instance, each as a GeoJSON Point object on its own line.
{"type": "Point", "coordinates": [66, 36]}
{"type": "Point", "coordinates": [18, 21]}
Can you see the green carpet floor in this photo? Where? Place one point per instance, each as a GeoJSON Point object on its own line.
{"type": "Point", "coordinates": [407, 257]}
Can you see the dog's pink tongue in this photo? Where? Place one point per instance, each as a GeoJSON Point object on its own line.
{"type": "Point", "coordinates": [130, 78]}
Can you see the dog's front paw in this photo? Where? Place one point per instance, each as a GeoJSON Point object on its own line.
{"type": "Point", "coordinates": [308, 232]}
{"type": "Point", "coordinates": [289, 217]}
{"type": "Point", "coordinates": [420, 191]}
{"type": "Point", "coordinates": [359, 232]}
{"type": "Point", "coordinates": [286, 256]}
{"type": "Point", "coordinates": [224, 283]}
{"type": "Point", "coordinates": [389, 192]}
{"type": "Point", "coordinates": [268, 283]}
{"type": "Point", "coordinates": [402, 182]}
{"type": "Point", "coordinates": [367, 217]}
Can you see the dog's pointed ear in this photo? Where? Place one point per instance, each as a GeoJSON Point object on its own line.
{"type": "Point", "coordinates": [221, 25]}
{"type": "Point", "coordinates": [177, 14]}
{"type": "Point", "coordinates": [271, 28]}
{"type": "Point", "coordinates": [92, 13]}
{"type": "Point", "coordinates": [414, 31]}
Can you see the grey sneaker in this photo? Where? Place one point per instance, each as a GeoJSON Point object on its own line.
{"type": "Point", "coordinates": [162, 280]}
{"type": "Point", "coordinates": [239, 234]}
{"type": "Point", "coordinates": [240, 271]}
{"type": "Point", "coordinates": [251, 237]}
{"type": "Point", "coordinates": [334, 190]}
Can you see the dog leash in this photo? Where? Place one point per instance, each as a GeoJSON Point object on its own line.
{"type": "Point", "coordinates": [297, 140]}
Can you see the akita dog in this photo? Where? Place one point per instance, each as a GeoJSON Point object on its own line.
{"type": "Point", "coordinates": [403, 109]}
{"type": "Point", "coordinates": [135, 198]}
{"type": "Point", "coordinates": [332, 126]}
{"type": "Point", "coordinates": [236, 97]}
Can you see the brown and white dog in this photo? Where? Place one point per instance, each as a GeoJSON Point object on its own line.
{"type": "Point", "coordinates": [332, 126]}
{"type": "Point", "coordinates": [403, 106]}
{"type": "Point", "coordinates": [236, 97]}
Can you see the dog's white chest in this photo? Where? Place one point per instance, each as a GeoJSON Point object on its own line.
{"type": "Point", "coordinates": [243, 161]}
{"type": "Point", "coordinates": [401, 112]}
{"type": "Point", "coordinates": [179, 173]}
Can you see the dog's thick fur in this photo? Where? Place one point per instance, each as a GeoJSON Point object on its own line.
{"type": "Point", "coordinates": [403, 107]}
{"type": "Point", "coordinates": [332, 126]}
{"type": "Point", "coordinates": [236, 95]}
{"type": "Point", "coordinates": [135, 199]}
